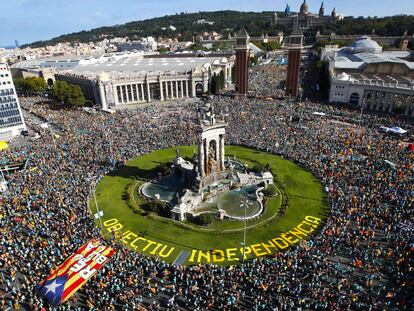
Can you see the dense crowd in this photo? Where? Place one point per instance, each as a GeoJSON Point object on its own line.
{"type": "Point", "coordinates": [267, 79]}
{"type": "Point", "coordinates": [361, 259]}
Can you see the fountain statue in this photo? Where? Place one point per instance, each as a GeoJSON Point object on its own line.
{"type": "Point", "coordinates": [206, 176]}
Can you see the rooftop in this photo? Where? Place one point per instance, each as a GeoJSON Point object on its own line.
{"type": "Point", "coordinates": [123, 64]}
{"type": "Point", "coordinates": [366, 51]}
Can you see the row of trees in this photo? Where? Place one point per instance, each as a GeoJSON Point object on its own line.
{"type": "Point", "coordinates": [61, 92]}
{"type": "Point", "coordinates": [267, 46]}
{"type": "Point", "coordinates": [68, 94]}
{"type": "Point", "coordinates": [217, 83]}
{"type": "Point", "coordinates": [31, 86]}
{"type": "Point", "coordinates": [256, 24]}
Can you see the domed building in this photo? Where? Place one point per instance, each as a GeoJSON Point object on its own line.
{"type": "Point", "coordinates": [304, 8]}
{"type": "Point", "coordinates": [362, 74]}
{"type": "Point", "coordinates": [304, 20]}
{"type": "Point", "coordinates": [364, 45]}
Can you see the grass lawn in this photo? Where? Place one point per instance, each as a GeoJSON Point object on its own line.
{"type": "Point", "coordinates": [158, 236]}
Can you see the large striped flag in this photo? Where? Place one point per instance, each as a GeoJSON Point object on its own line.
{"type": "Point", "coordinates": [63, 282]}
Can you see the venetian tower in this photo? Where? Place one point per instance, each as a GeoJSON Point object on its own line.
{"type": "Point", "coordinates": [294, 59]}
{"type": "Point", "coordinates": [242, 61]}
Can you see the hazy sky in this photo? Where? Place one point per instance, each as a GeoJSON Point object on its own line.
{"type": "Point", "coordinates": [32, 20]}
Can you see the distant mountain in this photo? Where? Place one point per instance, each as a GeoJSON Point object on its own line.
{"type": "Point", "coordinates": [256, 23]}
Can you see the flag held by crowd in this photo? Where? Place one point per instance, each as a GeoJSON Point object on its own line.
{"type": "Point", "coordinates": [67, 278]}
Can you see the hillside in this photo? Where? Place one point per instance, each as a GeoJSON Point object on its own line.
{"type": "Point", "coordinates": [256, 23]}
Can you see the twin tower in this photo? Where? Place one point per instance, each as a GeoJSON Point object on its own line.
{"type": "Point", "coordinates": [243, 57]}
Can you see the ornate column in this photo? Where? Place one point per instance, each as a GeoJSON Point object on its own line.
{"type": "Point", "coordinates": [161, 91]}
{"type": "Point", "coordinates": [166, 90]}
{"type": "Point", "coordinates": [218, 151]}
{"type": "Point", "coordinates": [176, 89]}
{"type": "Point", "coordinates": [172, 90]}
{"type": "Point", "coordinates": [193, 88]}
{"type": "Point", "coordinates": [142, 91]}
{"type": "Point", "coordinates": [182, 89]}
{"type": "Point", "coordinates": [104, 105]}
{"type": "Point", "coordinates": [121, 88]}
{"type": "Point", "coordinates": [148, 92]}
{"type": "Point", "coordinates": [186, 89]}
{"type": "Point", "coordinates": [115, 94]}
{"type": "Point", "coordinates": [206, 154]}
{"type": "Point", "coordinates": [127, 93]}
{"type": "Point", "coordinates": [136, 92]}
{"type": "Point", "coordinates": [222, 152]}
{"type": "Point", "coordinates": [201, 158]}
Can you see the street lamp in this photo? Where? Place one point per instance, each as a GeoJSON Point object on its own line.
{"type": "Point", "coordinates": [98, 213]}
{"type": "Point", "coordinates": [245, 204]}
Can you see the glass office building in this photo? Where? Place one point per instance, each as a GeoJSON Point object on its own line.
{"type": "Point", "coordinates": [11, 117]}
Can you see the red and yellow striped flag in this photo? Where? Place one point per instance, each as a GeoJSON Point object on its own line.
{"type": "Point", "coordinates": [66, 279]}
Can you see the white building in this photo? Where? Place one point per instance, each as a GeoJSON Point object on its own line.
{"type": "Point", "coordinates": [130, 78]}
{"type": "Point", "coordinates": [11, 117]}
{"type": "Point", "coordinates": [364, 75]}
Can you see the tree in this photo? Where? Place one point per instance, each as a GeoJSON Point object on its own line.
{"type": "Point", "coordinates": [198, 47]}
{"type": "Point", "coordinates": [267, 46]}
{"type": "Point", "coordinates": [75, 96]}
{"type": "Point", "coordinates": [271, 190]}
{"type": "Point", "coordinates": [213, 85]}
{"type": "Point", "coordinates": [30, 86]}
{"type": "Point", "coordinates": [258, 168]}
{"type": "Point", "coordinates": [221, 78]}
{"type": "Point", "coordinates": [158, 207]}
{"type": "Point", "coordinates": [227, 21]}
{"type": "Point", "coordinates": [253, 61]}
{"type": "Point", "coordinates": [163, 50]}
{"type": "Point", "coordinates": [204, 219]}
{"type": "Point", "coordinates": [20, 85]}
{"type": "Point", "coordinates": [68, 94]}
{"type": "Point", "coordinates": [222, 45]}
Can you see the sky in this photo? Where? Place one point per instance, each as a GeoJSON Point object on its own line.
{"type": "Point", "coordinates": [32, 20]}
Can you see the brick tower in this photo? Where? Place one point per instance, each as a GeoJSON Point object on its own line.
{"type": "Point", "coordinates": [242, 61]}
{"type": "Point", "coordinates": [294, 57]}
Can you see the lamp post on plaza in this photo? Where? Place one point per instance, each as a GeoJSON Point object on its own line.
{"type": "Point", "coordinates": [245, 204]}
{"type": "Point", "coordinates": [98, 213]}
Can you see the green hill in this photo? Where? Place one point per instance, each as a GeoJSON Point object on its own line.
{"type": "Point", "coordinates": [256, 23]}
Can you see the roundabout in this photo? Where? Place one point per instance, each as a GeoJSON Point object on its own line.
{"type": "Point", "coordinates": [291, 215]}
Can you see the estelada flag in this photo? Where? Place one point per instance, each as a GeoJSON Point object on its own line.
{"type": "Point", "coordinates": [66, 279]}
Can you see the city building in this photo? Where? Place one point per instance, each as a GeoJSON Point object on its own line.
{"type": "Point", "coordinates": [363, 74]}
{"type": "Point", "coordinates": [204, 22]}
{"type": "Point", "coordinates": [11, 117]}
{"type": "Point", "coordinates": [146, 44]}
{"type": "Point", "coordinates": [304, 20]}
{"type": "Point", "coordinates": [128, 78]}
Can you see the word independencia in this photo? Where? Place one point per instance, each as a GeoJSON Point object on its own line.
{"type": "Point", "coordinates": [272, 246]}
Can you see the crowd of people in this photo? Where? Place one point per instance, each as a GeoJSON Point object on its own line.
{"type": "Point", "coordinates": [361, 259]}
{"type": "Point", "coordinates": [262, 79]}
